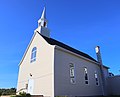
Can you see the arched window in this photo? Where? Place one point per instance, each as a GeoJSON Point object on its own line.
{"type": "Point", "coordinates": [33, 54]}
{"type": "Point", "coordinates": [96, 79]}
{"type": "Point", "coordinates": [86, 75]}
{"type": "Point", "coordinates": [72, 73]}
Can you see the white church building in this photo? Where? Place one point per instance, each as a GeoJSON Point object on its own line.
{"type": "Point", "coordinates": [51, 68]}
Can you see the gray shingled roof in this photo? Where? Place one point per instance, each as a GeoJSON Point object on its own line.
{"type": "Point", "coordinates": [55, 42]}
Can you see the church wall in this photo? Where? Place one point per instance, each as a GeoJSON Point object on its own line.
{"type": "Point", "coordinates": [40, 71]}
{"type": "Point", "coordinates": [114, 85]}
{"type": "Point", "coordinates": [63, 86]}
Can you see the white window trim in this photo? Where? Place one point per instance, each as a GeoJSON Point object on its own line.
{"type": "Point", "coordinates": [33, 59]}
{"type": "Point", "coordinates": [97, 78]}
{"type": "Point", "coordinates": [87, 76]}
{"type": "Point", "coordinates": [74, 73]}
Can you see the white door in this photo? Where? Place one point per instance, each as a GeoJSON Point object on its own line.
{"type": "Point", "coordinates": [30, 86]}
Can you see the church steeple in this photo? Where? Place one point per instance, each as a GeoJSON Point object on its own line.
{"type": "Point", "coordinates": [43, 21]}
{"type": "Point", "coordinates": [42, 25]}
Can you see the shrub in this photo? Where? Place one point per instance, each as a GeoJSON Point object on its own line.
{"type": "Point", "coordinates": [22, 94]}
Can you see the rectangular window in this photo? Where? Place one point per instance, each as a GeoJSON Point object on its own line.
{"type": "Point", "coordinates": [96, 79]}
{"type": "Point", "coordinates": [72, 74]}
{"type": "Point", "coordinates": [86, 76]}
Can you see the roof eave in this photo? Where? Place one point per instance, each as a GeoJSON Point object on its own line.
{"type": "Point", "coordinates": [60, 48]}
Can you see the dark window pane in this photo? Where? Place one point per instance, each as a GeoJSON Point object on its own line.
{"type": "Point", "coordinates": [96, 83]}
{"type": "Point", "coordinates": [86, 82]}
{"type": "Point", "coordinates": [96, 79]}
{"type": "Point", "coordinates": [86, 77]}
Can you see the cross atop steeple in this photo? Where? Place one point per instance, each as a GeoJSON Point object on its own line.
{"type": "Point", "coordinates": [43, 21]}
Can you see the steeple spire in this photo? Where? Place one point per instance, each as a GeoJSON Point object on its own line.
{"type": "Point", "coordinates": [42, 25]}
{"type": "Point", "coordinates": [43, 13]}
{"type": "Point", "coordinates": [43, 21]}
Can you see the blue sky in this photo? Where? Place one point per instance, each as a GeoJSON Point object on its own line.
{"type": "Point", "coordinates": [82, 24]}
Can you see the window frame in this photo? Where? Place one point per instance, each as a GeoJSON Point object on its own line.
{"type": "Point", "coordinates": [33, 54]}
{"type": "Point", "coordinates": [96, 79]}
{"type": "Point", "coordinates": [86, 75]}
{"type": "Point", "coordinates": [73, 74]}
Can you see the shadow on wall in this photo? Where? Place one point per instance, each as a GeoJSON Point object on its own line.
{"type": "Point", "coordinates": [114, 85]}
